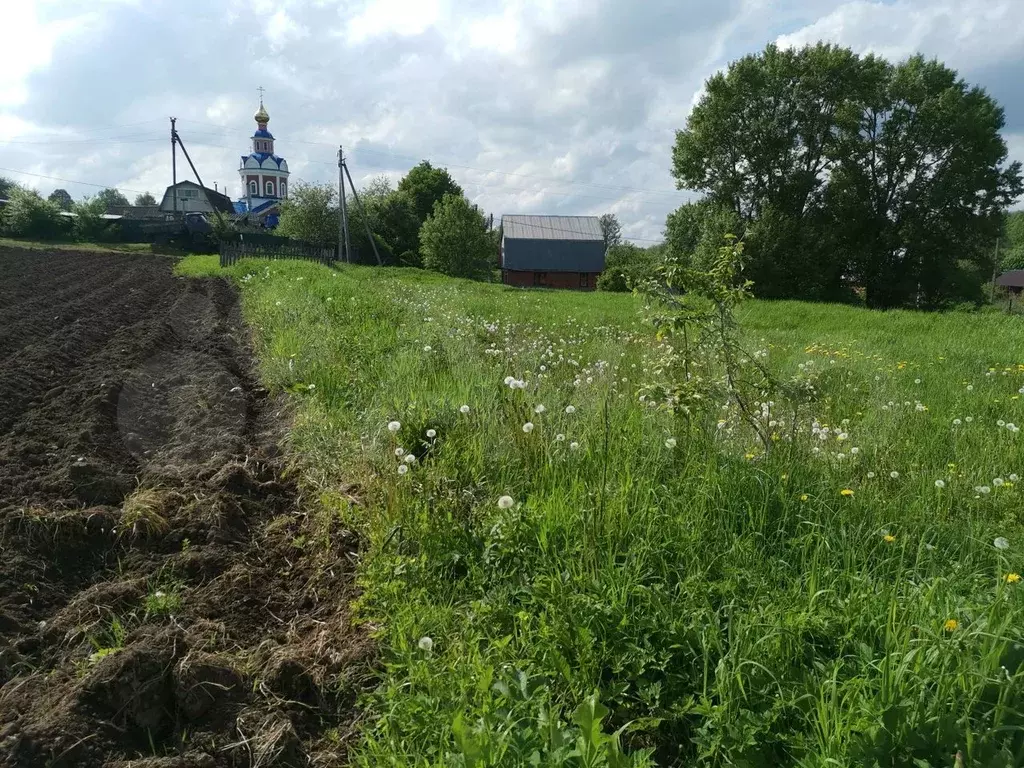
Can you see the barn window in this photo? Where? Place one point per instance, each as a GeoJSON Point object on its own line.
{"type": "Point", "coordinates": [253, 188]}
{"type": "Point", "coordinates": [584, 280]}
{"type": "Point", "coordinates": [270, 188]}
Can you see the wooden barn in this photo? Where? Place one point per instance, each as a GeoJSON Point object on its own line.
{"type": "Point", "coordinates": [552, 251]}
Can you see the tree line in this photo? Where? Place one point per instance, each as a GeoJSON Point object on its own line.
{"type": "Point", "coordinates": [28, 214]}
{"type": "Point", "coordinates": [423, 221]}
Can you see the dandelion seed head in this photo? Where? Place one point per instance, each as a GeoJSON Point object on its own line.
{"type": "Point", "coordinates": [570, 409]}
{"type": "Point", "coordinates": [1001, 542]}
{"type": "Point", "coordinates": [431, 433]}
{"type": "Point", "coordinates": [506, 502]}
{"type": "Point", "coordinates": [670, 443]}
{"type": "Point", "coordinates": [940, 483]}
{"type": "Point", "coordinates": [464, 409]}
{"type": "Point", "coordinates": [425, 644]}
{"type": "Point", "coordinates": [403, 468]}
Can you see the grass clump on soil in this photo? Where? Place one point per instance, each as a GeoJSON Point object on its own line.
{"type": "Point", "coordinates": [551, 560]}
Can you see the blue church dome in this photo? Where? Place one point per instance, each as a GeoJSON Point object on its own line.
{"type": "Point", "coordinates": [263, 133]}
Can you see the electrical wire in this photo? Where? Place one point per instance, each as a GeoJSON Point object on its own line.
{"type": "Point", "coordinates": [226, 131]}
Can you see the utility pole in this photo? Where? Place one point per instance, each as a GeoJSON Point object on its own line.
{"type": "Point", "coordinates": [174, 166]}
{"type": "Point", "coordinates": [344, 248]}
{"type": "Point", "coordinates": [995, 274]}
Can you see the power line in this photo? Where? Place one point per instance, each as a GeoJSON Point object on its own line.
{"type": "Point", "coordinates": [482, 183]}
{"type": "Point", "coordinates": [225, 131]}
{"type": "Point", "coordinates": [138, 191]}
{"type": "Point", "coordinates": [130, 139]}
{"type": "Point", "coordinates": [71, 181]}
{"type": "Point", "coordinates": [84, 131]}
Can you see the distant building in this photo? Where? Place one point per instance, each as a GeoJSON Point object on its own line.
{"type": "Point", "coordinates": [264, 175]}
{"type": "Point", "coordinates": [193, 198]}
{"type": "Point", "coordinates": [552, 251]}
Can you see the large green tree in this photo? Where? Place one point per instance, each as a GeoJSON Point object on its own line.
{"type": "Point", "coordinates": [112, 198]}
{"type": "Point", "coordinates": [7, 187]}
{"type": "Point", "coordinates": [921, 187]}
{"type": "Point", "coordinates": [611, 229]}
{"type": "Point", "coordinates": [425, 186]}
{"type": "Point", "coordinates": [145, 198]}
{"type": "Point", "coordinates": [310, 214]}
{"type": "Point", "coordinates": [391, 219]}
{"type": "Point", "coordinates": [1011, 255]}
{"type": "Point", "coordinates": [62, 199]}
{"type": "Point", "coordinates": [847, 169]}
{"type": "Point", "coordinates": [454, 239]}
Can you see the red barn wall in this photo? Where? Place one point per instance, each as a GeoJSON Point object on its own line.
{"type": "Point", "coordinates": [571, 280]}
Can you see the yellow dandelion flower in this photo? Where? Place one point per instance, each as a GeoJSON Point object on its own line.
{"type": "Point", "coordinates": [1012, 578]}
{"type": "Point", "coordinates": [950, 625]}
{"type": "Point", "coordinates": [846, 492]}
{"type": "Point", "coordinates": [888, 538]}
{"type": "Point", "coordinates": [803, 497]}
{"type": "Point", "coordinates": [748, 456]}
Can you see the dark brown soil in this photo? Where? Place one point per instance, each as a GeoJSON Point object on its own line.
{"type": "Point", "coordinates": [161, 604]}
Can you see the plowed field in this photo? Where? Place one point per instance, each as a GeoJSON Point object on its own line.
{"type": "Point", "coordinates": [155, 609]}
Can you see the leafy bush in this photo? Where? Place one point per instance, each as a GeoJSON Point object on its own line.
{"type": "Point", "coordinates": [454, 239]}
{"type": "Point", "coordinates": [626, 266]}
{"type": "Point", "coordinates": [88, 225]}
{"type": "Point", "coordinates": [29, 215]}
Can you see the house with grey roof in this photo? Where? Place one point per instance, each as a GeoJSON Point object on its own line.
{"type": "Point", "coordinates": [552, 251]}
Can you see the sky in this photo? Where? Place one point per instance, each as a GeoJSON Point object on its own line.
{"type": "Point", "coordinates": [564, 107]}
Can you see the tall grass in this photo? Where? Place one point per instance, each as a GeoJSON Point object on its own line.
{"type": "Point", "coordinates": [825, 604]}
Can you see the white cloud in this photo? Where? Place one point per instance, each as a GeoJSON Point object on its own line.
{"type": "Point", "coordinates": [964, 33]}
{"type": "Point", "coordinates": [536, 106]}
{"type": "Point", "coordinates": [282, 29]}
{"type": "Point", "coordinates": [397, 17]}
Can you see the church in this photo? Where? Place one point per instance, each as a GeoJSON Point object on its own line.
{"type": "Point", "coordinates": [264, 175]}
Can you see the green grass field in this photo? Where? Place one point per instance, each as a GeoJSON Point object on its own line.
{"type": "Point", "coordinates": [846, 599]}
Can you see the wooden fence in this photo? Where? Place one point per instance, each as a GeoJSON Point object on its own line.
{"type": "Point", "coordinates": [230, 253]}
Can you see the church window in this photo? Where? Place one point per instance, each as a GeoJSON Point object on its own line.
{"type": "Point", "coordinates": [270, 188]}
{"type": "Point", "coordinates": [253, 188]}
{"type": "Point", "coordinates": [284, 188]}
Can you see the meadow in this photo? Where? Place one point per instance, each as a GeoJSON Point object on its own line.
{"type": "Point", "coordinates": [557, 576]}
